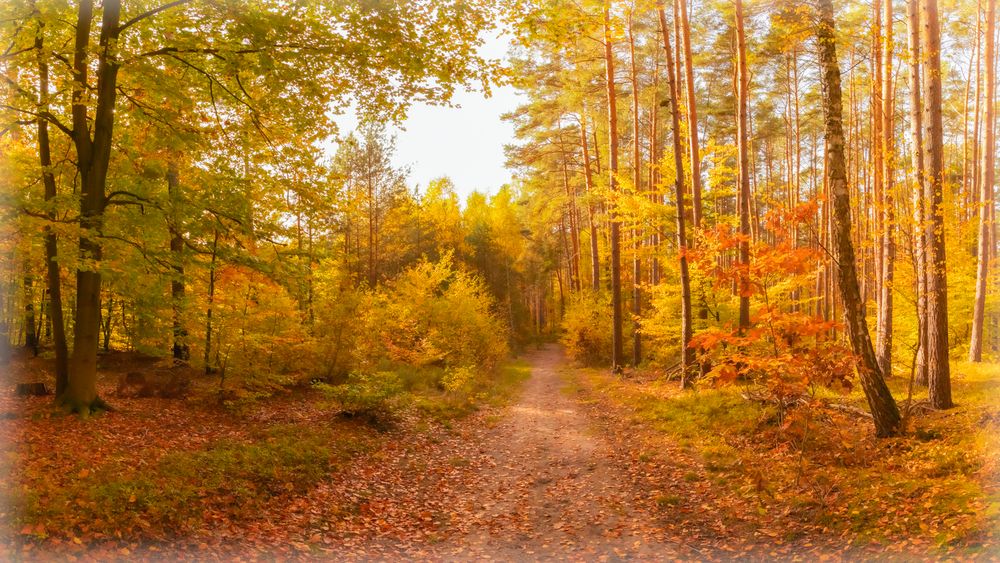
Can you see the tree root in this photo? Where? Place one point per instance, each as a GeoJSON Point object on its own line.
{"type": "Point", "coordinates": [84, 409]}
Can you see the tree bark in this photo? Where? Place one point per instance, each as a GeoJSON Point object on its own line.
{"type": "Point", "coordinates": [742, 85]}
{"type": "Point", "coordinates": [30, 338]}
{"type": "Point", "coordinates": [986, 195]}
{"type": "Point", "coordinates": [180, 350]}
{"type": "Point", "coordinates": [686, 355]}
{"type": "Point", "coordinates": [53, 277]}
{"type": "Point", "coordinates": [888, 243]}
{"type": "Point", "coordinates": [877, 158]}
{"type": "Point", "coordinates": [93, 158]}
{"type": "Point", "coordinates": [637, 185]}
{"type": "Point", "coordinates": [617, 355]}
{"type": "Point", "coordinates": [209, 368]}
{"type": "Point", "coordinates": [595, 263]}
{"type": "Point", "coordinates": [884, 411]}
{"type": "Point", "coordinates": [919, 206]}
{"type": "Point", "coordinates": [692, 115]}
{"type": "Point", "coordinates": [937, 277]}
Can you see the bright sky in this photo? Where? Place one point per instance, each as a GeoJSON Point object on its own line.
{"type": "Point", "coordinates": [464, 143]}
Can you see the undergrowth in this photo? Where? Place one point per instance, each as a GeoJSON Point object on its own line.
{"type": "Point", "coordinates": [821, 470]}
{"type": "Point", "coordinates": [228, 479]}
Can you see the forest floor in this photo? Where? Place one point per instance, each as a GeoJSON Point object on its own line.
{"type": "Point", "coordinates": [574, 464]}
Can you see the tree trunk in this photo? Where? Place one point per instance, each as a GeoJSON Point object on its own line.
{"type": "Point", "coordinates": [53, 276]}
{"type": "Point", "coordinates": [742, 84]}
{"type": "Point", "coordinates": [617, 358]}
{"type": "Point", "coordinates": [888, 243]}
{"type": "Point", "coordinates": [937, 277]}
{"type": "Point", "coordinates": [595, 263]}
{"type": "Point", "coordinates": [877, 158]}
{"type": "Point", "coordinates": [30, 340]}
{"type": "Point", "coordinates": [687, 356]}
{"type": "Point", "coordinates": [692, 115]}
{"type": "Point", "coordinates": [986, 195]}
{"type": "Point", "coordinates": [919, 206]}
{"type": "Point", "coordinates": [181, 350]}
{"type": "Point", "coordinates": [653, 178]}
{"type": "Point", "coordinates": [93, 158]}
{"type": "Point", "coordinates": [209, 368]}
{"type": "Point", "coordinates": [884, 411]}
{"type": "Point", "coordinates": [637, 185]}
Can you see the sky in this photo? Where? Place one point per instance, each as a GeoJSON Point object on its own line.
{"type": "Point", "coordinates": [464, 142]}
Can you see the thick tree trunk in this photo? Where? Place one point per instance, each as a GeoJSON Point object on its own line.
{"type": "Point", "coordinates": [742, 84]}
{"type": "Point", "coordinates": [986, 195]}
{"type": "Point", "coordinates": [937, 277]}
{"type": "Point", "coordinates": [617, 355]}
{"type": "Point", "coordinates": [883, 348]}
{"type": "Point", "coordinates": [686, 355]}
{"type": "Point", "coordinates": [884, 411]}
{"type": "Point", "coordinates": [93, 158]}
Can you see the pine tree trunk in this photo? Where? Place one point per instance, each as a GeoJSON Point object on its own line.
{"type": "Point", "coordinates": [595, 263]}
{"type": "Point", "coordinates": [888, 243]}
{"type": "Point", "coordinates": [937, 277]}
{"type": "Point", "coordinates": [637, 185]}
{"type": "Point", "coordinates": [919, 206]}
{"type": "Point", "coordinates": [687, 357]}
{"type": "Point", "coordinates": [692, 115]}
{"type": "Point", "coordinates": [986, 195]}
{"type": "Point", "coordinates": [742, 84]}
{"type": "Point", "coordinates": [884, 411]}
{"type": "Point", "coordinates": [876, 159]}
{"type": "Point", "coordinates": [617, 355]}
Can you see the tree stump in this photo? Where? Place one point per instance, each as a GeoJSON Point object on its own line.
{"type": "Point", "coordinates": [34, 389]}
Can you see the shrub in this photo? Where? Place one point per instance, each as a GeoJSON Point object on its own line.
{"type": "Point", "coordinates": [259, 342]}
{"type": "Point", "coordinates": [375, 396]}
{"type": "Point", "coordinates": [785, 349]}
{"type": "Point", "coordinates": [431, 315]}
{"type": "Point", "coordinates": [458, 379]}
{"type": "Point", "coordinates": [586, 334]}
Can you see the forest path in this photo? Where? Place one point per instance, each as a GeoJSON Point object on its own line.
{"type": "Point", "coordinates": [555, 490]}
{"type": "Point", "coordinates": [532, 481]}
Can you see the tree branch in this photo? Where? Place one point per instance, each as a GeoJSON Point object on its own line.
{"type": "Point", "coordinates": [151, 13]}
{"type": "Point", "coordinates": [47, 116]}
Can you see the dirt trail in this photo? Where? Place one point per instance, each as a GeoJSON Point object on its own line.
{"type": "Point", "coordinates": [555, 490]}
{"type": "Point", "coordinates": [532, 481]}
